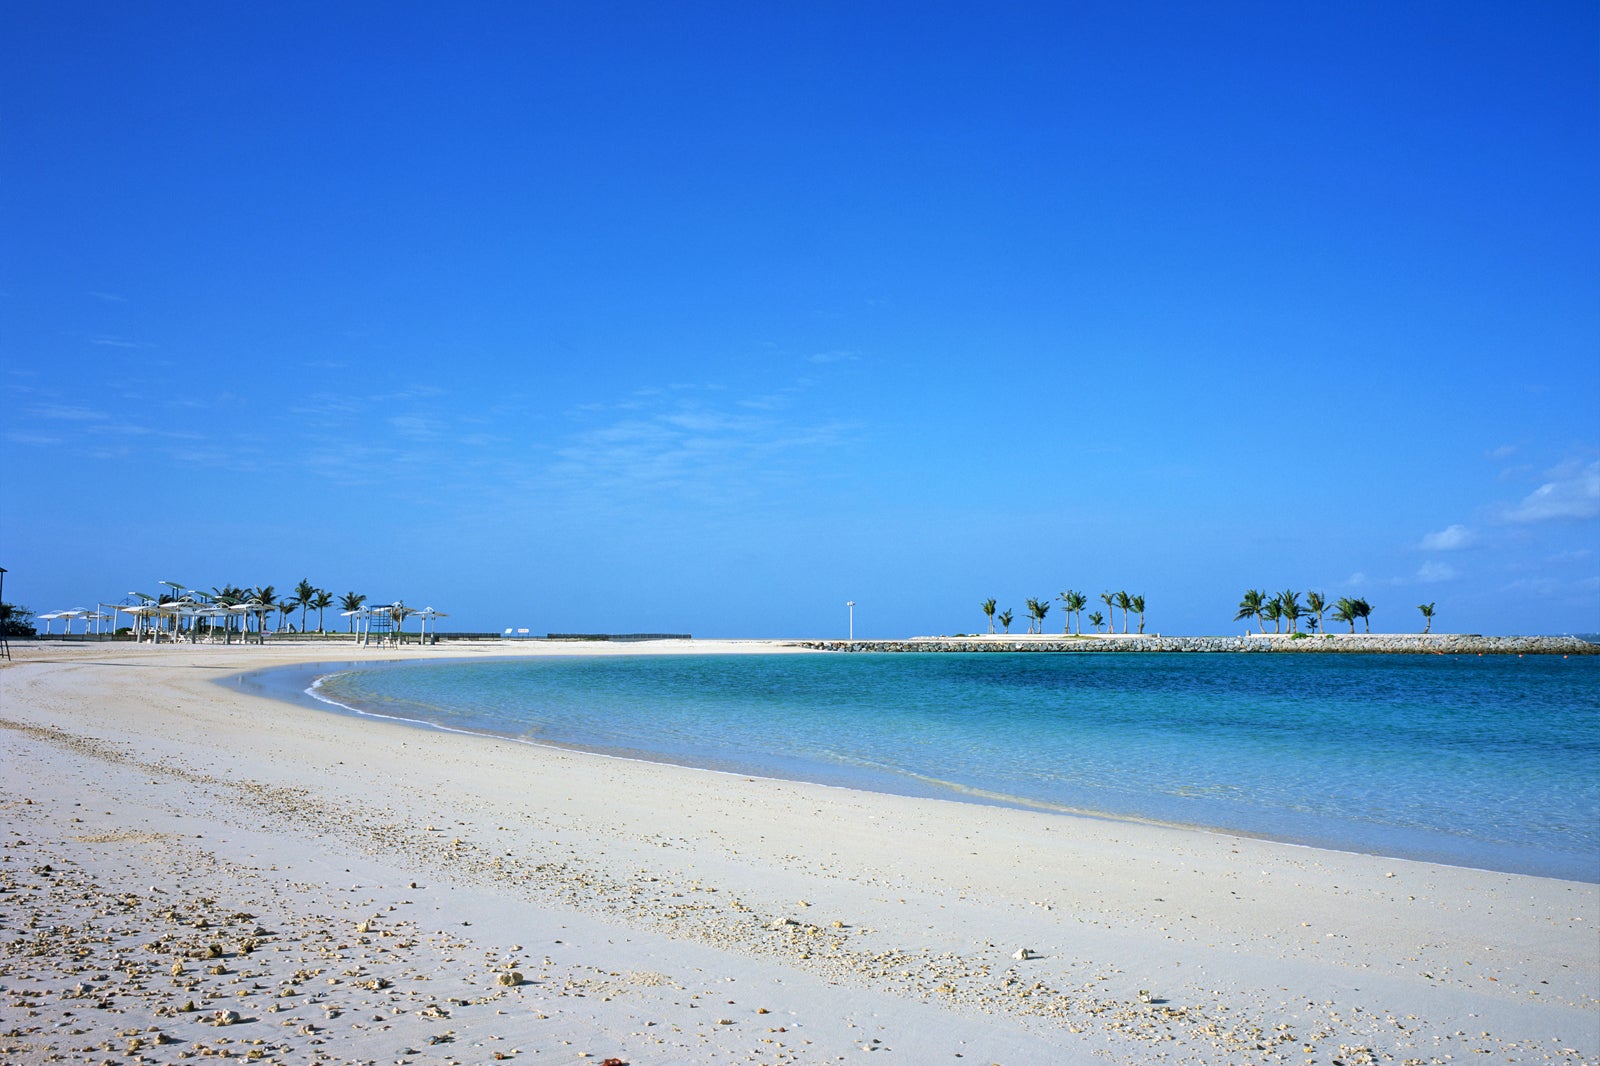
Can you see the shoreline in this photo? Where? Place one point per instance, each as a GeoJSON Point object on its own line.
{"type": "Point", "coordinates": [1296, 643]}
{"type": "Point", "coordinates": [284, 683]}
{"type": "Point", "coordinates": [657, 913]}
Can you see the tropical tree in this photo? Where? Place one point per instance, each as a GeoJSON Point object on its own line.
{"type": "Point", "coordinates": [1363, 612]}
{"type": "Point", "coordinates": [226, 596]}
{"type": "Point", "coordinates": [1032, 606]}
{"type": "Point", "coordinates": [304, 593]}
{"type": "Point", "coordinates": [16, 621]}
{"type": "Point", "coordinates": [1097, 620]}
{"type": "Point", "coordinates": [1005, 619]}
{"type": "Point", "coordinates": [1125, 603]}
{"type": "Point", "coordinates": [283, 607]}
{"type": "Point", "coordinates": [263, 596]}
{"type": "Point", "coordinates": [1345, 611]}
{"type": "Point", "coordinates": [1043, 608]}
{"type": "Point", "coordinates": [1427, 615]}
{"type": "Point", "coordinates": [1250, 607]}
{"type": "Point", "coordinates": [1078, 601]}
{"type": "Point", "coordinates": [1066, 609]}
{"type": "Point", "coordinates": [988, 610]}
{"type": "Point", "coordinates": [1137, 602]}
{"type": "Point", "coordinates": [1110, 600]}
{"type": "Point", "coordinates": [1289, 605]}
{"type": "Point", "coordinates": [1316, 605]}
{"type": "Point", "coordinates": [350, 602]}
{"type": "Point", "coordinates": [321, 602]}
{"type": "Point", "coordinates": [1272, 611]}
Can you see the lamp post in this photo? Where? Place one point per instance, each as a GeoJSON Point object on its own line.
{"type": "Point", "coordinates": [852, 605]}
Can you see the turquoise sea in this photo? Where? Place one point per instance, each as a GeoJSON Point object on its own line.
{"type": "Point", "coordinates": [1491, 761]}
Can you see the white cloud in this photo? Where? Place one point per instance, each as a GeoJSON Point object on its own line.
{"type": "Point", "coordinates": [1435, 571]}
{"type": "Point", "coordinates": [36, 439]}
{"type": "Point", "coordinates": [1503, 452]}
{"type": "Point", "coordinates": [1572, 493]}
{"type": "Point", "coordinates": [68, 413]}
{"type": "Point", "coordinates": [1450, 538]}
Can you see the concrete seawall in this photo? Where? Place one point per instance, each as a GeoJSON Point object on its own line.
{"type": "Point", "coordinates": [1337, 643]}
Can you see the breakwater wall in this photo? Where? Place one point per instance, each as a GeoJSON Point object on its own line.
{"type": "Point", "coordinates": [1337, 643]}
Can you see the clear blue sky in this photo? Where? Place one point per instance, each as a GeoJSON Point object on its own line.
{"type": "Point", "coordinates": [710, 317]}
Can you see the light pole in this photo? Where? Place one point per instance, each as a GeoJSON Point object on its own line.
{"type": "Point", "coordinates": [852, 605]}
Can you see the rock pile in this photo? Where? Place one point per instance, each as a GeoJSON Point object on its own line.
{"type": "Point", "coordinates": [1368, 643]}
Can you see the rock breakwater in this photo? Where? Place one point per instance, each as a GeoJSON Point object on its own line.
{"type": "Point", "coordinates": [1345, 643]}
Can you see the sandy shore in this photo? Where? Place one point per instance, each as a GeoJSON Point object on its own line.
{"type": "Point", "coordinates": [191, 872]}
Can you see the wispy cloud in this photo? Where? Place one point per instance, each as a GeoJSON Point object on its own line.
{"type": "Point", "coordinates": [107, 341]}
{"type": "Point", "coordinates": [687, 448]}
{"type": "Point", "coordinates": [1433, 571]}
{"type": "Point", "coordinates": [109, 297]}
{"type": "Point", "coordinates": [33, 439]}
{"type": "Point", "coordinates": [1573, 492]}
{"type": "Point", "coordinates": [821, 358]}
{"type": "Point", "coordinates": [417, 427]}
{"type": "Point", "coordinates": [60, 412]}
{"type": "Point", "coordinates": [1450, 538]}
{"type": "Point", "coordinates": [1504, 451]}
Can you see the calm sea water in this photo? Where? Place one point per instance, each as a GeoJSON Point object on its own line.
{"type": "Point", "coordinates": [1491, 762]}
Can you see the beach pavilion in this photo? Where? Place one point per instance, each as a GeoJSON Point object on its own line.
{"type": "Point", "coordinates": [385, 623]}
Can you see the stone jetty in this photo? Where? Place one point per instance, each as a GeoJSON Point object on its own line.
{"type": "Point", "coordinates": [1347, 643]}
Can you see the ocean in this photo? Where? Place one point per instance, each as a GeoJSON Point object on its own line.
{"type": "Point", "coordinates": [1490, 762]}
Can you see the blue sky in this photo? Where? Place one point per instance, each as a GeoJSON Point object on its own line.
{"type": "Point", "coordinates": [709, 317]}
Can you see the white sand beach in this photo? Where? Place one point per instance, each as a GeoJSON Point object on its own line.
{"type": "Point", "coordinates": [192, 872]}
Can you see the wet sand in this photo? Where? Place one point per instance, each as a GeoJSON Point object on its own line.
{"type": "Point", "coordinates": [192, 872]}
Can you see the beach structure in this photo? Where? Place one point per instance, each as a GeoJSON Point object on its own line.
{"type": "Point", "coordinates": [384, 624]}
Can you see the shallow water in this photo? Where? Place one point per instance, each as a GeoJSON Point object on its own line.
{"type": "Point", "coordinates": [1491, 762]}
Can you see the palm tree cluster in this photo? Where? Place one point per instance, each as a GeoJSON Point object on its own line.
{"type": "Point", "coordinates": [1285, 607]}
{"type": "Point", "coordinates": [306, 596]}
{"type": "Point", "coordinates": [1073, 602]}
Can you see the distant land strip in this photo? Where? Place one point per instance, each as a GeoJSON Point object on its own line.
{"type": "Point", "coordinates": [1346, 643]}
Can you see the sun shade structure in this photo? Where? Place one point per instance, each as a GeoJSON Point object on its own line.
{"type": "Point", "coordinates": [192, 616]}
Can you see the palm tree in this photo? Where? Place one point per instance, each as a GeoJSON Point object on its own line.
{"type": "Point", "coordinates": [1096, 619]}
{"type": "Point", "coordinates": [284, 606]}
{"type": "Point", "coordinates": [1289, 604]}
{"type": "Point", "coordinates": [1427, 615]}
{"type": "Point", "coordinates": [1363, 612]}
{"type": "Point", "coordinates": [352, 601]}
{"type": "Point", "coordinates": [1032, 606]}
{"type": "Point", "coordinates": [1077, 602]}
{"type": "Point", "coordinates": [1043, 608]}
{"type": "Point", "coordinates": [1110, 600]}
{"type": "Point", "coordinates": [988, 609]}
{"type": "Point", "coordinates": [1316, 605]}
{"type": "Point", "coordinates": [1066, 609]}
{"type": "Point", "coordinates": [1005, 619]}
{"type": "Point", "coordinates": [1138, 605]}
{"type": "Point", "coordinates": [1250, 607]}
{"type": "Point", "coordinates": [1272, 611]}
{"type": "Point", "coordinates": [226, 596]}
{"type": "Point", "coordinates": [1125, 602]}
{"type": "Point", "coordinates": [262, 596]}
{"type": "Point", "coordinates": [321, 602]}
{"type": "Point", "coordinates": [304, 593]}
{"type": "Point", "coordinates": [1345, 611]}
